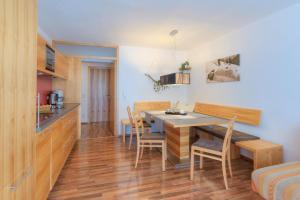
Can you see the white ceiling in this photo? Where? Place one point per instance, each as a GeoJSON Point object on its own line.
{"type": "Point", "coordinates": [148, 22]}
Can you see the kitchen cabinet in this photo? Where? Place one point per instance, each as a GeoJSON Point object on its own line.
{"type": "Point", "coordinates": [54, 145]}
{"type": "Point", "coordinates": [43, 164]}
{"type": "Point", "coordinates": [18, 30]}
{"type": "Point", "coordinates": [61, 65]}
{"type": "Point", "coordinates": [41, 53]}
{"type": "Point", "coordinates": [71, 86]}
{"type": "Point", "coordinates": [61, 61]}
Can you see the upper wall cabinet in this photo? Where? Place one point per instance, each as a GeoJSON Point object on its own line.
{"type": "Point", "coordinates": [41, 55]}
{"type": "Point", "coordinates": [61, 65]}
{"type": "Point", "coordinates": [61, 61]}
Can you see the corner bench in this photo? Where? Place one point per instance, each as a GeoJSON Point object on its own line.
{"type": "Point", "coordinates": [265, 153]}
{"type": "Point", "coordinates": [219, 132]}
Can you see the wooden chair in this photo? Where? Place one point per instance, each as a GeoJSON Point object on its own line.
{"type": "Point", "coordinates": [214, 150]}
{"type": "Point", "coordinates": [132, 128]}
{"type": "Point", "coordinates": [149, 140]}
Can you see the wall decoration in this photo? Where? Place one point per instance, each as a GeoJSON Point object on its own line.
{"type": "Point", "coordinates": [185, 67]}
{"type": "Point", "coordinates": [157, 86]}
{"type": "Point", "coordinates": [223, 70]}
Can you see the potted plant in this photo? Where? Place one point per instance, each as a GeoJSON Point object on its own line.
{"type": "Point", "coordinates": [185, 67]}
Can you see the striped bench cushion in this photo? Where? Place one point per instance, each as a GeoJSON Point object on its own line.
{"type": "Point", "coordinates": [278, 181]}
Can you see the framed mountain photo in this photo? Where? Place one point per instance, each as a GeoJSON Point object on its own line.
{"type": "Point", "coordinates": [223, 69]}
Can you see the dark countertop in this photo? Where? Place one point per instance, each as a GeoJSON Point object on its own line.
{"type": "Point", "coordinates": [57, 114]}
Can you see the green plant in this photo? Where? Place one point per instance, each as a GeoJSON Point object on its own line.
{"type": "Point", "coordinates": [157, 86]}
{"type": "Point", "coordinates": [185, 66]}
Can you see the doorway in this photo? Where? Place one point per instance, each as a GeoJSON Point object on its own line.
{"type": "Point", "coordinates": [101, 99]}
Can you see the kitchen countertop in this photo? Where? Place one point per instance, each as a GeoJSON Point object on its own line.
{"type": "Point", "coordinates": [57, 114]}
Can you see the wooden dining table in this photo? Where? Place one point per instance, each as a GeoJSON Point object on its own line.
{"type": "Point", "coordinates": [178, 129]}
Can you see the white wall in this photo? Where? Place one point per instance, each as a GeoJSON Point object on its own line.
{"type": "Point", "coordinates": [133, 85]}
{"type": "Point", "coordinates": [270, 53]}
{"type": "Point", "coordinates": [44, 35]}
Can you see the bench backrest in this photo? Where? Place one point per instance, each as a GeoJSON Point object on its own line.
{"type": "Point", "coordinates": [244, 115]}
{"type": "Point", "coordinates": [151, 105]}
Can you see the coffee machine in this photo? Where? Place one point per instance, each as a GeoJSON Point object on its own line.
{"type": "Point", "coordinates": [56, 99]}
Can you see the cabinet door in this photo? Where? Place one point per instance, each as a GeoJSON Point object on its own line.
{"type": "Point", "coordinates": [17, 97]}
{"type": "Point", "coordinates": [58, 156]}
{"type": "Point", "coordinates": [70, 129]}
{"type": "Point", "coordinates": [42, 170]}
{"type": "Point", "coordinates": [61, 65]}
{"type": "Point", "coordinates": [41, 53]}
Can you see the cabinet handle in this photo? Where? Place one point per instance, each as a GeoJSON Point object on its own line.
{"type": "Point", "coordinates": [19, 181]}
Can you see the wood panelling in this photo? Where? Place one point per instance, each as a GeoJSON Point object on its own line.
{"type": "Point", "coordinates": [41, 53]}
{"type": "Point", "coordinates": [103, 168]}
{"type": "Point", "coordinates": [151, 105]}
{"type": "Point", "coordinates": [265, 153]}
{"type": "Point", "coordinates": [53, 147]}
{"type": "Point", "coordinates": [112, 98]}
{"type": "Point", "coordinates": [61, 62]}
{"type": "Point", "coordinates": [64, 135]}
{"type": "Point", "coordinates": [178, 141]}
{"type": "Point", "coordinates": [61, 65]}
{"type": "Point", "coordinates": [99, 104]}
{"type": "Point", "coordinates": [71, 86]}
{"type": "Point", "coordinates": [43, 158]}
{"type": "Point", "coordinates": [244, 115]}
{"type": "Point", "coordinates": [18, 32]}
{"type": "Point", "coordinates": [70, 43]}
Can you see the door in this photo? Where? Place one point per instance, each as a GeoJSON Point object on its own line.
{"type": "Point", "coordinates": [99, 110]}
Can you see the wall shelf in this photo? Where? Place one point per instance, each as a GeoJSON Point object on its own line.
{"type": "Point", "coordinates": [179, 78]}
{"type": "Point", "coordinates": [50, 73]}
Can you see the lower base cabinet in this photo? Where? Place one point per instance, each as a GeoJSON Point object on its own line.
{"type": "Point", "coordinates": [53, 146]}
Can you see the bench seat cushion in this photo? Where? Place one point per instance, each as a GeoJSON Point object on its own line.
{"type": "Point", "coordinates": [209, 144]}
{"type": "Point", "coordinates": [278, 181]}
{"type": "Point", "coordinates": [219, 131]}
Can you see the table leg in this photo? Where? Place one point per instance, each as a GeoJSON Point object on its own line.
{"type": "Point", "coordinates": [123, 132]}
{"type": "Point", "coordinates": [178, 144]}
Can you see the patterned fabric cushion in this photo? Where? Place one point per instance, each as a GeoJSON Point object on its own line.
{"type": "Point", "coordinates": [209, 144]}
{"type": "Point", "coordinates": [146, 125]}
{"type": "Point", "coordinates": [278, 181]}
{"type": "Point", "coordinates": [152, 136]}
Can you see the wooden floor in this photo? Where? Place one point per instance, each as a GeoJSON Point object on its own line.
{"type": "Point", "coordinates": [95, 130]}
{"type": "Point", "coordinates": [103, 168]}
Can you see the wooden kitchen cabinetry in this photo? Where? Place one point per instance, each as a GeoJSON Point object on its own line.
{"type": "Point", "coordinates": [61, 61]}
{"type": "Point", "coordinates": [61, 65]}
{"type": "Point", "coordinates": [54, 145]}
{"type": "Point", "coordinates": [18, 30]}
{"type": "Point", "coordinates": [43, 164]}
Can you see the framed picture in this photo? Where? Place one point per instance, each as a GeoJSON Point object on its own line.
{"type": "Point", "coordinates": [223, 69]}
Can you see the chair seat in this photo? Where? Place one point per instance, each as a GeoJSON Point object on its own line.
{"type": "Point", "coordinates": [209, 144]}
{"type": "Point", "coordinates": [152, 136]}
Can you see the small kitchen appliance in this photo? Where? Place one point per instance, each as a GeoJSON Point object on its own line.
{"type": "Point", "coordinates": [59, 98]}
{"type": "Point", "coordinates": [56, 99]}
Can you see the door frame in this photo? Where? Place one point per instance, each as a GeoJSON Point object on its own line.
{"type": "Point", "coordinates": [115, 65]}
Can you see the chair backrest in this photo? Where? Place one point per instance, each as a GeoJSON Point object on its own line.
{"type": "Point", "coordinates": [139, 127]}
{"type": "Point", "coordinates": [130, 116]}
{"type": "Point", "coordinates": [228, 135]}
